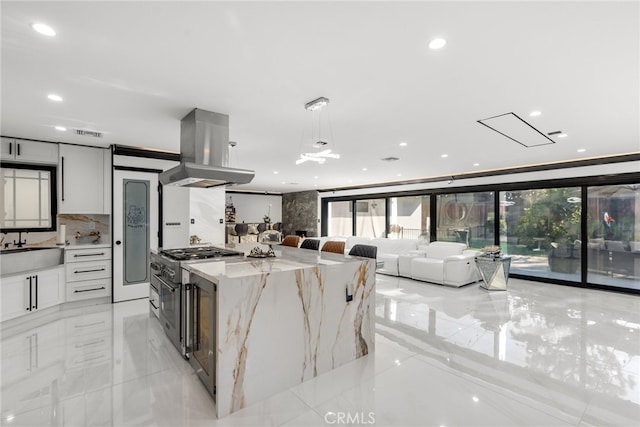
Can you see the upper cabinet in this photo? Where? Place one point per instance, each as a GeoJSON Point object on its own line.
{"type": "Point", "coordinates": [83, 184]}
{"type": "Point", "coordinates": [19, 150]}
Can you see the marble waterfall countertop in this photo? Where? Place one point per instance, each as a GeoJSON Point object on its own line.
{"type": "Point", "coordinates": [282, 321]}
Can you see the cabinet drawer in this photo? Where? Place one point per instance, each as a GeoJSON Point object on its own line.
{"type": "Point", "coordinates": [89, 289]}
{"type": "Point", "coordinates": [77, 271]}
{"type": "Point", "coordinates": [76, 255]}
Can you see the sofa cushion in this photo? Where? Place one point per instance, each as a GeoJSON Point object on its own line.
{"type": "Point", "coordinates": [389, 263]}
{"type": "Point", "coordinates": [427, 269]}
{"type": "Point", "coordinates": [351, 241]}
{"type": "Point", "coordinates": [394, 246]}
{"type": "Point", "coordinates": [441, 250]}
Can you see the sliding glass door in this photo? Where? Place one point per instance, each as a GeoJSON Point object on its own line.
{"type": "Point", "coordinates": [613, 230]}
{"type": "Point", "coordinates": [540, 228]}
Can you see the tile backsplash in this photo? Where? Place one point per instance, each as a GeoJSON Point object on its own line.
{"type": "Point", "coordinates": [80, 230]}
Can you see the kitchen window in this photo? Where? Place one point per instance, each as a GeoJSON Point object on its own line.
{"type": "Point", "coordinates": [28, 197]}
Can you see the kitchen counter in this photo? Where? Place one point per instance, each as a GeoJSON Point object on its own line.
{"type": "Point", "coordinates": [282, 321]}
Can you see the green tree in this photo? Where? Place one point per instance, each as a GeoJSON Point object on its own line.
{"type": "Point", "coordinates": [551, 216]}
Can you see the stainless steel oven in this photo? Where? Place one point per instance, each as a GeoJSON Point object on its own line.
{"type": "Point", "coordinates": [202, 330]}
{"type": "Point", "coordinates": [154, 290]}
{"type": "Point", "coordinates": [170, 310]}
{"type": "Point", "coordinates": [175, 295]}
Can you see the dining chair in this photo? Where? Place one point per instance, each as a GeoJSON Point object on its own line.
{"type": "Point", "coordinates": [242, 229]}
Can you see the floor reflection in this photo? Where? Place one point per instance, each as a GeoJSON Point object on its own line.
{"type": "Point", "coordinates": [536, 354]}
{"type": "Point", "coordinates": [538, 340]}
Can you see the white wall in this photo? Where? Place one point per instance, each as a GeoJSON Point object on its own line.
{"type": "Point", "coordinates": [207, 212]}
{"type": "Point", "coordinates": [253, 207]}
{"type": "Point", "coordinates": [175, 217]}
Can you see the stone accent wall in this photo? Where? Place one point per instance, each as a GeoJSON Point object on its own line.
{"type": "Point", "coordinates": [300, 212]}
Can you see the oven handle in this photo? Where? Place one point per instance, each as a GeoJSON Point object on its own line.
{"type": "Point", "coordinates": [169, 286]}
{"type": "Point", "coordinates": [164, 283]}
{"type": "Point", "coordinates": [188, 338]}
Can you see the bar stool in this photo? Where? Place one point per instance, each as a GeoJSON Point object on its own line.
{"type": "Point", "coordinates": [366, 251]}
{"type": "Point", "coordinates": [333, 246]}
{"type": "Point", "coordinates": [291, 241]}
{"type": "Point", "coordinates": [310, 244]}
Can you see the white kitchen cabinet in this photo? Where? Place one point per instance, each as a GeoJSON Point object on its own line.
{"type": "Point", "coordinates": [19, 150]}
{"type": "Point", "coordinates": [28, 292]}
{"type": "Point", "coordinates": [88, 273]}
{"type": "Point", "coordinates": [82, 180]}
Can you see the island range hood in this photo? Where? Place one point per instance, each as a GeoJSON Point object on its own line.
{"type": "Point", "coordinates": [204, 153]}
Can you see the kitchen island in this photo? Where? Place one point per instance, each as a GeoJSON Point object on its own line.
{"type": "Point", "coordinates": [280, 321]}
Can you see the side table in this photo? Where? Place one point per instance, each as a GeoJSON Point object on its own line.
{"type": "Point", "coordinates": [494, 272]}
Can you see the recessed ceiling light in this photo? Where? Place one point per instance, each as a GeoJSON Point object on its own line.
{"type": "Point", "coordinates": [364, 169]}
{"type": "Point", "coordinates": [61, 128]}
{"type": "Point", "coordinates": [444, 156]}
{"type": "Point", "coordinates": [437, 43]}
{"type": "Point", "coordinates": [581, 150]}
{"type": "Point", "coordinates": [43, 29]}
{"type": "Point", "coordinates": [476, 164]}
{"type": "Point", "coordinates": [562, 135]}
{"type": "Point", "coordinates": [403, 144]}
{"type": "Point", "coordinates": [535, 113]}
{"type": "Point", "coordinates": [315, 177]}
{"type": "Point", "coordinates": [275, 172]}
{"type": "Point", "coordinates": [399, 174]}
{"type": "Point", "coordinates": [54, 97]}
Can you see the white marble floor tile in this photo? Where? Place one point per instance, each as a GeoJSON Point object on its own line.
{"type": "Point", "coordinates": [416, 393]}
{"type": "Point", "coordinates": [536, 354]}
{"type": "Point", "coordinates": [308, 419]}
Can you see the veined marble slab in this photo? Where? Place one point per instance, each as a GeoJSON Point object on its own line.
{"type": "Point", "coordinates": [284, 321]}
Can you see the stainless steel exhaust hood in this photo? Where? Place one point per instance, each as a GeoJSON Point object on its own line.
{"type": "Point", "coordinates": [204, 152]}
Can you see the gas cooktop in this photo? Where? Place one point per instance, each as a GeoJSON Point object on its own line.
{"type": "Point", "coordinates": [199, 252]}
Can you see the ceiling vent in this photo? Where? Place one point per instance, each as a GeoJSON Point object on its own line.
{"type": "Point", "coordinates": [91, 133]}
{"type": "Point", "coordinates": [390, 159]}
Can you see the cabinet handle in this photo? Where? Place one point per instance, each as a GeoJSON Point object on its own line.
{"type": "Point", "coordinates": [10, 148]}
{"type": "Point", "coordinates": [29, 305]}
{"type": "Point", "coordinates": [62, 176]}
{"type": "Point", "coordinates": [89, 324]}
{"type": "Point", "coordinates": [81, 255]}
{"type": "Point", "coordinates": [77, 291]}
{"type": "Point", "coordinates": [18, 148]}
{"type": "Point", "coordinates": [88, 271]}
{"type": "Point", "coordinates": [153, 305]}
{"type": "Point", "coordinates": [36, 298]}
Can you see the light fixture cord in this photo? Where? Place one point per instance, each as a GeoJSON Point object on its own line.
{"type": "Point", "coordinates": [331, 130]}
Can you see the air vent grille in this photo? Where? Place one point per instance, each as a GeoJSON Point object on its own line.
{"type": "Point", "coordinates": [390, 159]}
{"type": "Point", "coordinates": [91, 133]}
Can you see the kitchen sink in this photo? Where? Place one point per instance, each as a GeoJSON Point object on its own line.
{"type": "Point", "coordinates": [19, 260]}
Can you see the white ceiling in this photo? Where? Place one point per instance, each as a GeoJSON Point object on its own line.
{"type": "Point", "coordinates": [133, 69]}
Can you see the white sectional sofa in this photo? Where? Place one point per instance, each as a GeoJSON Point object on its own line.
{"type": "Point", "coordinates": [389, 250]}
{"type": "Point", "coordinates": [444, 263]}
